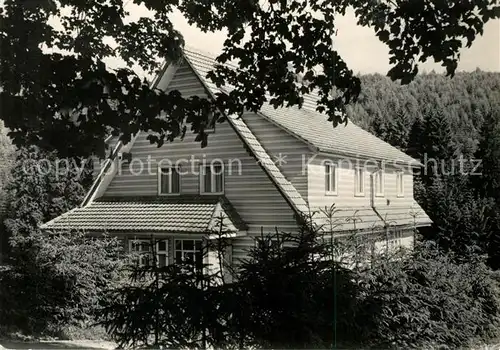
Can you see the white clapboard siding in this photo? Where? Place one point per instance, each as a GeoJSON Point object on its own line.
{"type": "Point", "coordinates": [247, 186]}
{"type": "Point", "coordinates": [345, 196]}
{"type": "Point", "coordinates": [284, 148]}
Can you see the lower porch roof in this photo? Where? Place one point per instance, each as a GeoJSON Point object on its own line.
{"type": "Point", "coordinates": [166, 214]}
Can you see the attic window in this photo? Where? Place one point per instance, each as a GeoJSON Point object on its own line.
{"type": "Point", "coordinates": [212, 179]}
{"type": "Point", "coordinates": [169, 181]}
{"type": "Point", "coordinates": [210, 128]}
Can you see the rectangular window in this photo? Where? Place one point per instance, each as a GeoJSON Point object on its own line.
{"type": "Point", "coordinates": [210, 128]}
{"type": "Point", "coordinates": [378, 180]}
{"type": "Point", "coordinates": [169, 181]}
{"type": "Point", "coordinates": [394, 241]}
{"type": "Point", "coordinates": [144, 248]}
{"type": "Point", "coordinates": [212, 179]}
{"type": "Point", "coordinates": [359, 180]}
{"type": "Point", "coordinates": [330, 179]}
{"type": "Point", "coordinates": [400, 185]}
{"type": "Point", "coordinates": [162, 253]}
{"type": "Point", "coordinates": [188, 251]}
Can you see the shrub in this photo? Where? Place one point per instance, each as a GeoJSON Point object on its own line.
{"type": "Point", "coordinates": [425, 298]}
{"type": "Point", "coordinates": [55, 281]}
{"type": "Point", "coordinates": [174, 306]}
{"type": "Point", "coordinates": [303, 291]}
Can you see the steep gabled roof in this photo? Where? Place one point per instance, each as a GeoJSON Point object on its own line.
{"type": "Point", "coordinates": [308, 125]}
{"type": "Point", "coordinates": [167, 215]}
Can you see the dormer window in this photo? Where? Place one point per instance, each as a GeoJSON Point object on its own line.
{"type": "Point", "coordinates": [330, 179]}
{"type": "Point", "coordinates": [212, 179]}
{"type": "Point", "coordinates": [359, 182]}
{"type": "Point", "coordinates": [378, 182]}
{"type": "Point", "coordinates": [169, 181]}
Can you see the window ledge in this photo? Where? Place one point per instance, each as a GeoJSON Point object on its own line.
{"type": "Point", "coordinates": [359, 195]}
{"type": "Point", "coordinates": [331, 193]}
{"type": "Point", "coordinates": [169, 194]}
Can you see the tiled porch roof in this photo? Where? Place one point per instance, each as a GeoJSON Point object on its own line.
{"type": "Point", "coordinates": [411, 216]}
{"type": "Point", "coordinates": [368, 218]}
{"type": "Point", "coordinates": [167, 214]}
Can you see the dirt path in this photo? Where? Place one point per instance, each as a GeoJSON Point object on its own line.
{"type": "Point", "coordinates": [58, 344]}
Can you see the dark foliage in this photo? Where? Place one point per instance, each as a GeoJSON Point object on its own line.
{"type": "Point", "coordinates": [426, 299]}
{"type": "Point", "coordinates": [464, 101]}
{"type": "Point", "coordinates": [180, 305]}
{"type": "Point", "coordinates": [450, 122]}
{"type": "Point", "coordinates": [70, 102]}
{"type": "Point", "coordinates": [306, 290]}
{"type": "Point", "coordinates": [57, 281]}
{"type": "Point", "coordinates": [51, 281]}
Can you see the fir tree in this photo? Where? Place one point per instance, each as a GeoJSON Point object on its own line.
{"type": "Point", "coordinates": [398, 130]}
{"type": "Point", "coordinates": [415, 145]}
{"type": "Point", "coordinates": [438, 146]}
{"type": "Point", "coordinates": [488, 183]}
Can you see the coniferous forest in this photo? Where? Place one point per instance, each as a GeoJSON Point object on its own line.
{"type": "Point", "coordinates": [448, 119]}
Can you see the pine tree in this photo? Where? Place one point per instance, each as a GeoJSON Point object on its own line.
{"type": "Point", "coordinates": [488, 183]}
{"type": "Point", "coordinates": [461, 219]}
{"type": "Point", "coordinates": [439, 149]}
{"type": "Point", "coordinates": [415, 146]}
{"type": "Point", "coordinates": [398, 129]}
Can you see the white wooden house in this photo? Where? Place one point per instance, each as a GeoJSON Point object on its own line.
{"type": "Point", "coordinates": [258, 171]}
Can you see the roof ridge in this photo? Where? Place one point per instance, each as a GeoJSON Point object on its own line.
{"type": "Point", "coordinates": [351, 141]}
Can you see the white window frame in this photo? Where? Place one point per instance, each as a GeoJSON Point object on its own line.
{"type": "Point", "coordinates": [213, 178]}
{"type": "Point", "coordinates": [142, 258]}
{"type": "Point", "coordinates": [379, 183]}
{"type": "Point", "coordinates": [182, 250]}
{"type": "Point", "coordinates": [400, 184]}
{"type": "Point", "coordinates": [331, 173]}
{"type": "Point", "coordinates": [169, 177]}
{"type": "Point", "coordinates": [359, 192]}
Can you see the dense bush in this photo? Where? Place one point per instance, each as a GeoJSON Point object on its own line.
{"type": "Point", "coordinates": [173, 306]}
{"type": "Point", "coordinates": [299, 291]}
{"type": "Point", "coordinates": [57, 281]}
{"type": "Point", "coordinates": [425, 299]}
{"type": "Point", "coordinates": [51, 281]}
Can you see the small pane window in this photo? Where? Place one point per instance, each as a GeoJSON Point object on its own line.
{"type": "Point", "coordinates": [169, 181]}
{"type": "Point", "coordinates": [210, 128]}
{"type": "Point", "coordinates": [188, 251]}
{"type": "Point", "coordinates": [212, 179]}
{"type": "Point", "coordinates": [144, 248]}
